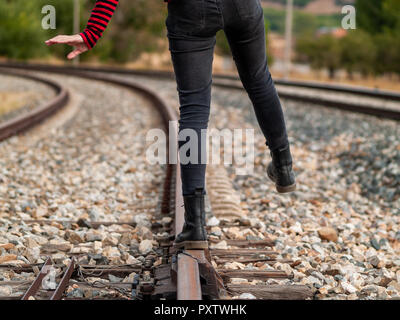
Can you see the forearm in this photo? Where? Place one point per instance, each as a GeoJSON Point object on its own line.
{"type": "Point", "coordinates": [98, 21]}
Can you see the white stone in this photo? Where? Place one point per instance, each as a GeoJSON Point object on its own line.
{"type": "Point", "coordinates": [145, 246]}
{"type": "Point", "coordinates": [296, 228]}
{"type": "Point", "coordinates": [247, 296]}
{"type": "Point", "coordinates": [220, 245]}
{"type": "Point", "coordinates": [142, 220]}
{"type": "Point", "coordinates": [213, 222]}
{"type": "Point", "coordinates": [348, 287]}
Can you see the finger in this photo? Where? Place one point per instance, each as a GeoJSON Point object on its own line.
{"type": "Point", "coordinates": [74, 54]}
{"type": "Point", "coordinates": [58, 40]}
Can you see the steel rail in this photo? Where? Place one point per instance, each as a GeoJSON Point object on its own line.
{"type": "Point", "coordinates": [64, 281]}
{"type": "Point", "coordinates": [342, 105]}
{"type": "Point", "coordinates": [29, 119]}
{"type": "Point", "coordinates": [369, 92]}
{"type": "Point", "coordinates": [188, 277]}
{"type": "Point", "coordinates": [35, 286]}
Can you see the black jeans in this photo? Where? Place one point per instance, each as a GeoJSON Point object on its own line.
{"type": "Point", "coordinates": [192, 26]}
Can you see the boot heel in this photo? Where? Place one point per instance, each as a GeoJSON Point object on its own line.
{"type": "Point", "coordinates": [286, 189]}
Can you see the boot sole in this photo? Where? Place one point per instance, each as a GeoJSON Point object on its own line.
{"type": "Point", "coordinates": [192, 245]}
{"type": "Point", "coordinates": [282, 189]}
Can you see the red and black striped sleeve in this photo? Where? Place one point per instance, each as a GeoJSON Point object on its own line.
{"type": "Point", "coordinates": [98, 21]}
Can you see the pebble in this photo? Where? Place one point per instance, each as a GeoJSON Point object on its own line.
{"type": "Point", "coordinates": [348, 287]}
{"type": "Point", "coordinates": [213, 222]}
{"type": "Point", "coordinates": [7, 258]}
{"type": "Point", "coordinates": [374, 261]}
{"type": "Point", "coordinates": [145, 246]}
{"type": "Point", "coordinates": [328, 234]}
{"type": "Point", "coordinates": [220, 245]}
{"type": "Point", "coordinates": [73, 237]}
{"type": "Point", "coordinates": [216, 231]}
{"type": "Point", "coordinates": [110, 241]}
{"type": "Point", "coordinates": [375, 244]}
{"type": "Point", "coordinates": [247, 296]}
{"type": "Point", "coordinates": [114, 279]}
{"type": "Point", "coordinates": [296, 228]}
{"type": "Point", "coordinates": [76, 293]}
{"type": "Point", "coordinates": [5, 291]}
{"type": "Point", "coordinates": [142, 220]}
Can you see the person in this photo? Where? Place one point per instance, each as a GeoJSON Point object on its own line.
{"type": "Point", "coordinates": [192, 26]}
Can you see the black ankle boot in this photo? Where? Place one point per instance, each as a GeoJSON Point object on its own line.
{"type": "Point", "coordinates": [193, 235]}
{"type": "Point", "coordinates": [280, 170]}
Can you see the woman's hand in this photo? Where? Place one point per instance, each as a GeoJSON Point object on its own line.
{"type": "Point", "coordinates": [75, 41]}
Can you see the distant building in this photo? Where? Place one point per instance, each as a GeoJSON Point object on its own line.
{"type": "Point", "coordinates": [335, 32]}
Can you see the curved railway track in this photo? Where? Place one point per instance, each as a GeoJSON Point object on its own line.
{"type": "Point", "coordinates": [189, 275]}
{"type": "Point", "coordinates": [28, 120]}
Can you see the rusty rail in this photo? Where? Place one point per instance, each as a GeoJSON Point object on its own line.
{"type": "Point", "coordinates": [35, 286]}
{"type": "Point", "coordinates": [64, 281]}
{"type": "Point", "coordinates": [27, 120]}
{"type": "Point", "coordinates": [188, 282]}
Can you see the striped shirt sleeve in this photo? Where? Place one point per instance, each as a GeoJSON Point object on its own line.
{"type": "Point", "coordinates": [98, 21]}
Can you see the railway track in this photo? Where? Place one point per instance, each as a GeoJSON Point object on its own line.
{"type": "Point", "coordinates": [189, 274]}
{"type": "Point", "coordinates": [28, 120]}
{"type": "Point", "coordinates": [185, 275]}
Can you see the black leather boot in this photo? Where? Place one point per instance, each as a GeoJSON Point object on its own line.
{"type": "Point", "coordinates": [193, 235]}
{"type": "Point", "coordinates": [280, 170]}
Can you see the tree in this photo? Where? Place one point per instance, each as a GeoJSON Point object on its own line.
{"type": "Point", "coordinates": [391, 10]}
{"type": "Point", "coordinates": [358, 53]}
{"type": "Point", "coordinates": [136, 27]}
{"type": "Point", "coordinates": [322, 52]}
{"type": "Point", "coordinates": [20, 30]}
{"type": "Point", "coordinates": [387, 53]}
{"type": "Point", "coordinates": [370, 15]}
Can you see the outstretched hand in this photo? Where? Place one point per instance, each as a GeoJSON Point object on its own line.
{"type": "Point", "coordinates": [75, 41]}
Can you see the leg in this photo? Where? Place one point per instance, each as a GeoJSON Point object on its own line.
{"type": "Point", "coordinates": [191, 42]}
{"type": "Point", "coordinates": [192, 59]}
{"type": "Point", "coordinates": [246, 36]}
{"type": "Point", "coordinates": [247, 41]}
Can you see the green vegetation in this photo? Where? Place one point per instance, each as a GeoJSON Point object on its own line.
{"type": "Point", "coordinates": [304, 23]}
{"type": "Point", "coordinates": [19, 36]}
{"type": "Point", "coordinates": [137, 26]}
{"type": "Point", "coordinates": [373, 48]}
{"type": "Point", "coordinates": [132, 31]}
